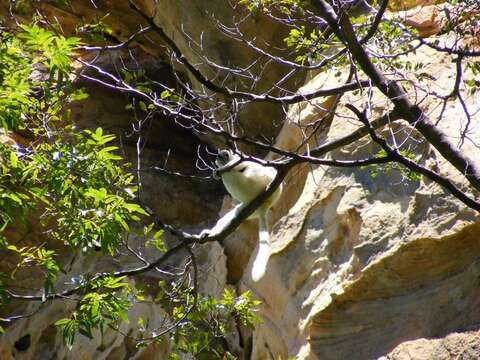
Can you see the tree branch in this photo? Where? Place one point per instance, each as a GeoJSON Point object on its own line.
{"type": "Point", "coordinates": [412, 113]}
{"type": "Point", "coordinates": [393, 153]}
{"type": "Point", "coordinates": [210, 85]}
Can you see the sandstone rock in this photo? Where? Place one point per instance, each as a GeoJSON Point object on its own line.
{"type": "Point", "coordinates": [37, 338]}
{"type": "Point", "coordinates": [465, 346]}
{"type": "Point", "coordinates": [364, 261]}
{"type": "Point", "coordinates": [397, 5]}
{"type": "Point", "coordinates": [255, 119]}
{"type": "Point", "coordinates": [427, 20]}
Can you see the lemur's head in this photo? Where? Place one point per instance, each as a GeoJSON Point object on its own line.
{"type": "Point", "coordinates": [224, 157]}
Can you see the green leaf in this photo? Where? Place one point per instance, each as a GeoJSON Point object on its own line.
{"type": "Point", "coordinates": [165, 94]}
{"type": "Point", "coordinates": [13, 159]}
{"type": "Point", "coordinates": [98, 195]}
{"type": "Point", "coordinates": [135, 208]}
{"type": "Point", "coordinates": [122, 222]}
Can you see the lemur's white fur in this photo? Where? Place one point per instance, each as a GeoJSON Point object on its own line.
{"type": "Point", "coordinates": [245, 181]}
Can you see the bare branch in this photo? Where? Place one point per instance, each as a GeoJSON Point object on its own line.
{"type": "Point", "coordinates": [432, 175]}
{"type": "Point", "coordinates": [412, 113]}
{"type": "Point", "coordinates": [124, 44]}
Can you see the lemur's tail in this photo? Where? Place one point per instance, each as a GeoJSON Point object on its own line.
{"type": "Point", "coordinates": [261, 259]}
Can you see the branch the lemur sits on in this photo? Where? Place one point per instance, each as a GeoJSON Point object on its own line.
{"type": "Point", "coordinates": [245, 180]}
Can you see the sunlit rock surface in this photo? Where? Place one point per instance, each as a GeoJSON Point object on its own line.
{"type": "Point", "coordinates": [463, 345]}
{"type": "Point", "coordinates": [366, 258]}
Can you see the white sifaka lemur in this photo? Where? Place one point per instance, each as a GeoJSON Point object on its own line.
{"type": "Point", "coordinates": [245, 180]}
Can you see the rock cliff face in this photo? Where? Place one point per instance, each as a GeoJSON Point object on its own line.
{"type": "Point", "coordinates": [363, 261]}
{"type": "Point", "coordinates": [453, 346]}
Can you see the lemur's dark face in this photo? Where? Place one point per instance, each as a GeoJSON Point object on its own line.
{"type": "Point", "coordinates": [223, 157]}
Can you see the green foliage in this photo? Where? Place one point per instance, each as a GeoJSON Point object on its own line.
{"type": "Point", "coordinates": [202, 329]}
{"type": "Point", "coordinates": [98, 309]}
{"type": "Point", "coordinates": [95, 31]}
{"type": "Point", "coordinates": [137, 79]}
{"type": "Point", "coordinates": [51, 50]}
{"type": "Point", "coordinates": [34, 69]}
{"type": "Point", "coordinates": [75, 186]}
{"type": "Point", "coordinates": [71, 181]}
{"type": "Point", "coordinates": [473, 84]}
{"type": "Point", "coordinates": [3, 296]}
{"type": "Point", "coordinates": [15, 68]}
{"type": "Point", "coordinates": [156, 241]}
{"type": "Point", "coordinates": [285, 6]}
{"type": "Point", "coordinates": [386, 168]}
{"type": "Point", "coordinates": [38, 257]}
{"type": "Point", "coordinates": [308, 45]}
{"type": "Point", "coordinates": [70, 177]}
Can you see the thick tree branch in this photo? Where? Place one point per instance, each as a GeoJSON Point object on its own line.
{"type": "Point", "coordinates": [342, 27]}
